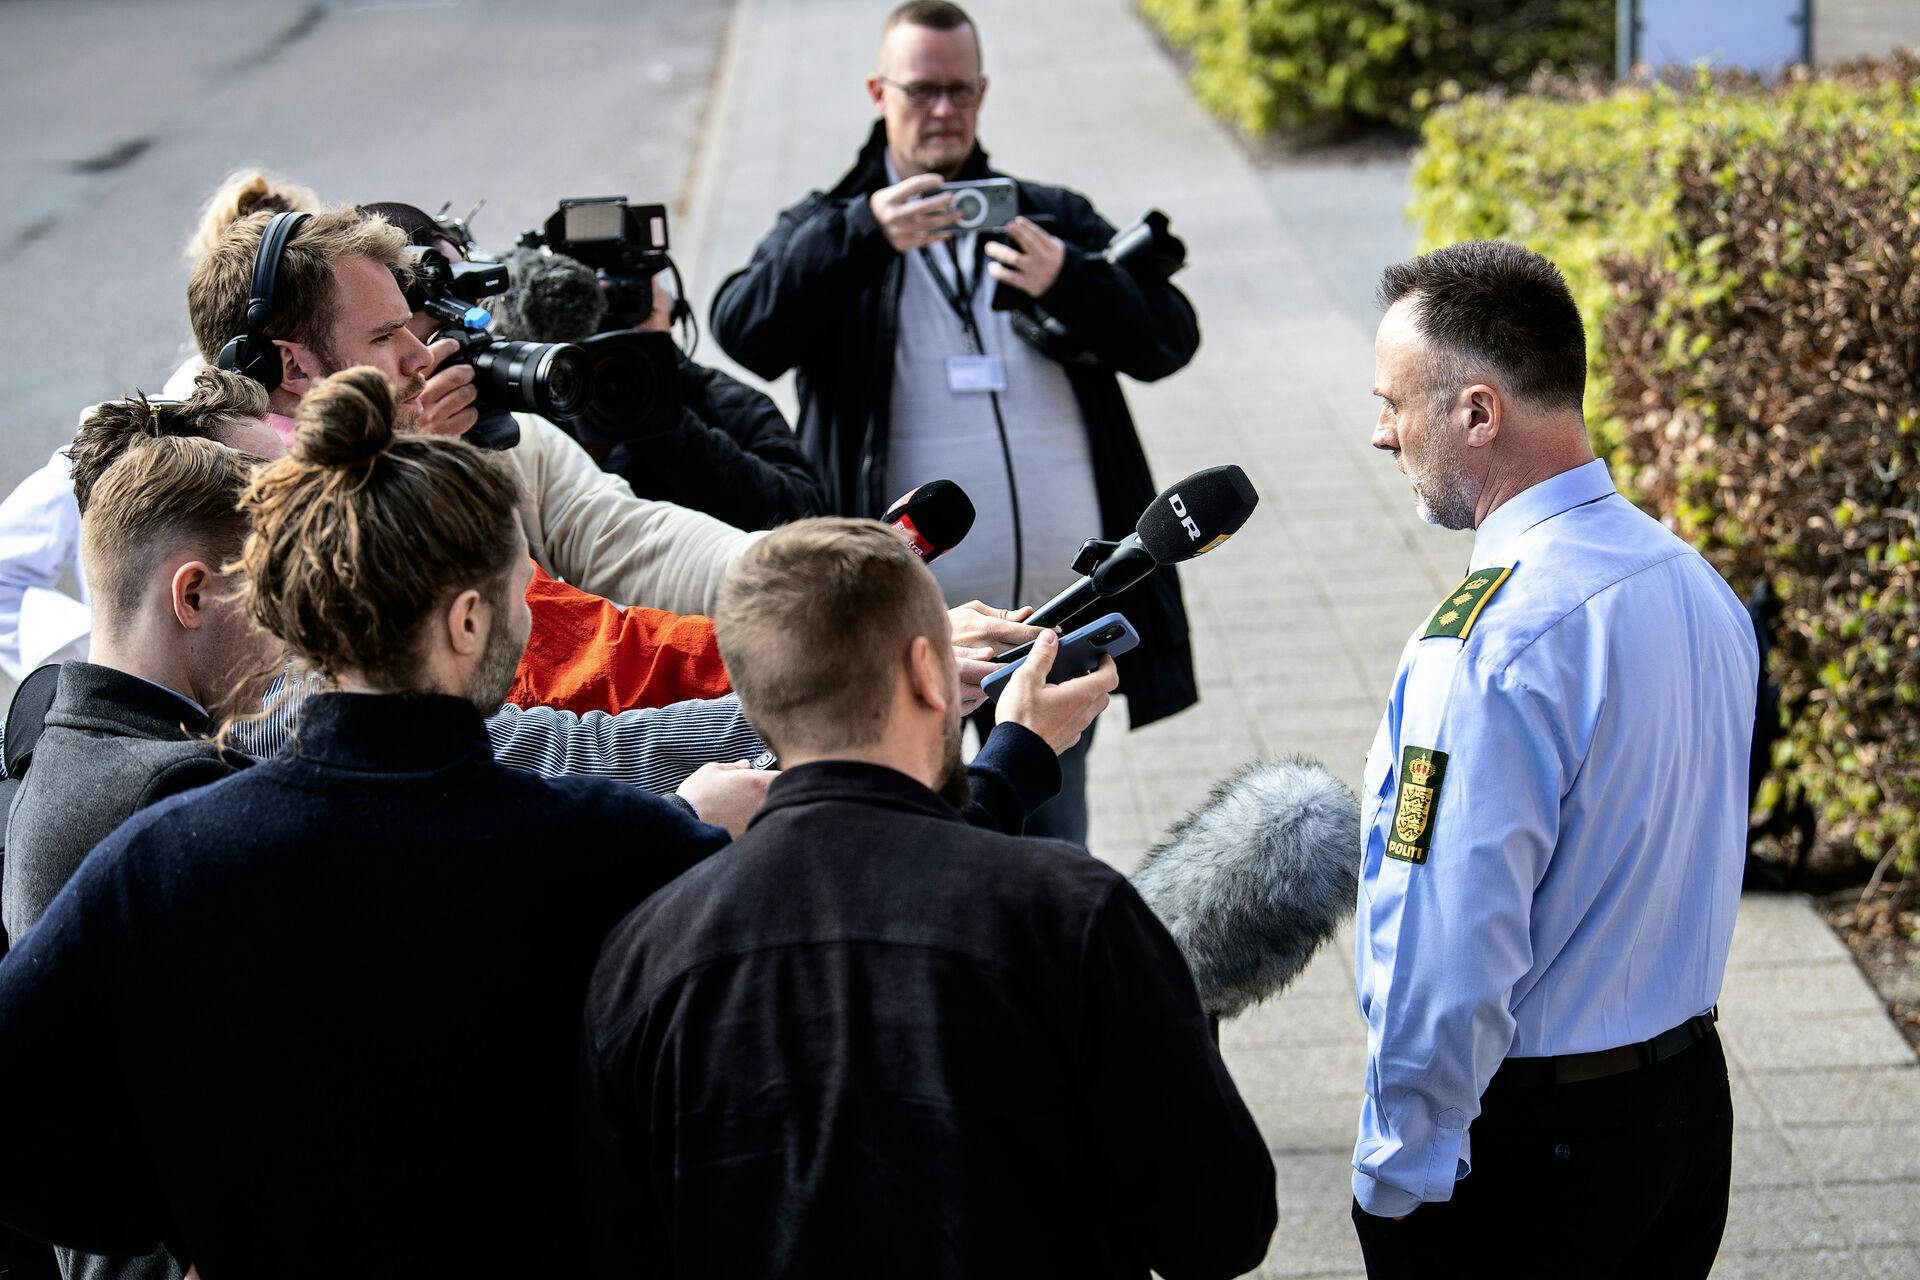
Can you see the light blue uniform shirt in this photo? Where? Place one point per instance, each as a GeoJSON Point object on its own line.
{"type": "Point", "coordinates": [1584, 846]}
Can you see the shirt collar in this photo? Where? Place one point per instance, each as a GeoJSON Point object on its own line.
{"type": "Point", "coordinates": [856, 782]}
{"type": "Point", "coordinates": [175, 692]}
{"type": "Point", "coordinates": [1495, 539]}
{"type": "Point", "coordinates": [133, 702]}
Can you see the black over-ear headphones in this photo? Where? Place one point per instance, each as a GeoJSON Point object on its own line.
{"type": "Point", "coordinates": [250, 352]}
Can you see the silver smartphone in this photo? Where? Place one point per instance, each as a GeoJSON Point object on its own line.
{"type": "Point", "coordinates": [984, 205]}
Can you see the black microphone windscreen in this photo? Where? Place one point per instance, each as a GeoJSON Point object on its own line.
{"type": "Point", "coordinates": [941, 513]}
{"type": "Point", "coordinates": [1252, 882]}
{"type": "Point", "coordinates": [1197, 515]}
{"type": "Point", "coordinates": [550, 298]}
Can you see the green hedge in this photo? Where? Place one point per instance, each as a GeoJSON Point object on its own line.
{"type": "Point", "coordinates": [1747, 258]}
{"type": "Point", "coordinates": [1269, 64]}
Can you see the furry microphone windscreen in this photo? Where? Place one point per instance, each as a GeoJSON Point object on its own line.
{"type": "Point", "coordinates": [550, 298]}
{"type": "Point", "coordinates": [1254, 880]}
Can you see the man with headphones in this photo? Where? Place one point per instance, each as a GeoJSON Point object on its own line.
{"type": "Point", "coordinates": [288, 298]}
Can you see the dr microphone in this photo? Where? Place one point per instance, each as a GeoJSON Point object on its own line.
{"type": "Point", "coordinates": [1252, 882]}
{"type": "Point", "coordinates": [933, 518]}
{"type": "Point", "coordinates": [1187, 520]}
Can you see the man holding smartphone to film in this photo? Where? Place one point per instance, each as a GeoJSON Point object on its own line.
{"type": "Point", "coordinates": [907, 371]}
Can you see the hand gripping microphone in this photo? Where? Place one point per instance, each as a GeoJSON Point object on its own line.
{"type": "Point", "coordinates": [1252, 882]}
{"type": "Point", "coordinates": [933, 518]}
{"type": "Point", "coordinates": [1188, 520]}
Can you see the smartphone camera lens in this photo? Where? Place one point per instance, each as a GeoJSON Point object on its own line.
{"type": "Point", "coordinates": [1106, 635]}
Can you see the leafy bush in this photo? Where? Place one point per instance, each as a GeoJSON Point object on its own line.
{"type": "Point", "coordinates": [1269, 64]}
{"type": "Point", "coordinates": [1748, 261]}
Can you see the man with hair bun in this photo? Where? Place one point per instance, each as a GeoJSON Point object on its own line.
{"type": "Point", "coordinates": [321, 1018]}
{"type": "Point", "coordinates": [871, 1039]}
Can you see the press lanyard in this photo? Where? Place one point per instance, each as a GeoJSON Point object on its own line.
{"type": "Point", "coordinates": [960, 302]}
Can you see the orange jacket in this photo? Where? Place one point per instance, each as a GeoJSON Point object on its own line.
{"type": "Point", "coordinates": [586, 654]}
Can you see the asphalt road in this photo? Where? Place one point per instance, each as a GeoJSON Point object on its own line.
{"type": "Point", "coordinates": [120, 117]}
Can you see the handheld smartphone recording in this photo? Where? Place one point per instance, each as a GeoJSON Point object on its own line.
{"type": "Point", "coordinates": [1079, 653]}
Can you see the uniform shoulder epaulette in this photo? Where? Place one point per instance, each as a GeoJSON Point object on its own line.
{"type": "Point", "coordinates": [1456, 615]}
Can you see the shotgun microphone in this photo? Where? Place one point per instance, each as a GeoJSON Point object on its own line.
{"type": "Point", "coordinates": [1255, 880]}
{"type": "Point", "coordinates": [933, 518]}
{"type": "Point", "coordinates": [1187, 520]}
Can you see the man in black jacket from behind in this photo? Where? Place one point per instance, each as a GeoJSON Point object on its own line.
{"type": "Point", "coordinates": [907, 374]}
{"type": "Point", "coordinates": [871, 1040]}
{"type": "Point", "coordinates": [321, 1018]}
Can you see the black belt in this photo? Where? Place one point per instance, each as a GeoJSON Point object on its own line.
{"type": "Point", "coordinates": [1572, 1068]}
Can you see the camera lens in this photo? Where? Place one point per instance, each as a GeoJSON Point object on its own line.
{"type": "Point", "coordinates": [971, 206]}
{"type": "Point", "coordinates": [1106, 635]}
{"type": "Point", "coordinates": [552, 379]}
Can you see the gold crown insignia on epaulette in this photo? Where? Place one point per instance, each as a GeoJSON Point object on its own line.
{"type": "Point", "coordinates": [1456, 615]}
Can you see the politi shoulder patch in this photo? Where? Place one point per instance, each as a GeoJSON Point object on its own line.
{"type": "Point", "coordinates": [1456, 615]}
{"type": "Point", "coordinates": [1422, 770]}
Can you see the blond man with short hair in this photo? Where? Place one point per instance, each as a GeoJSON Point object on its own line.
{"type": "Point", "coordinates": [873, 1039]}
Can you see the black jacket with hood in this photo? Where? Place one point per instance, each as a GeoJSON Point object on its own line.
{"type": "Point", "coordinates": [822, 296]}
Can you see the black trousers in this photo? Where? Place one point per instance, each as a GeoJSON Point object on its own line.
{"type": "Point", "coordinates": [1623, 1176]}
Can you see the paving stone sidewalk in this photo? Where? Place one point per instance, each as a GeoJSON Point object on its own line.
{"type": "Point", "coordinates": [1299, 621]}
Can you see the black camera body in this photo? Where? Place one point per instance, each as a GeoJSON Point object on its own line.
{"type": "Point", "coordinates": [1148, 249]}
{"type": "Point", "coordinates": [433, 277]}
{"type": "Point", "coordinates": [626, 245]}
{"type": "Point", "coordinates": [553, 379]}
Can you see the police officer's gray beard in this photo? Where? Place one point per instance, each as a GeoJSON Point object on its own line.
{"type": "Point", "coordinates": [956, 788]}
{"type": "Point", "coordinates": [1445, 509]}
{"type": "Point", "coordinates": [1448, 496]}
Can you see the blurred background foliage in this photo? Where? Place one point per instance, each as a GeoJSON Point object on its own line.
{"type": "Point", "coordinates": [1281, 64]}
{"type": "Point", "coordinates": [1747, 257]}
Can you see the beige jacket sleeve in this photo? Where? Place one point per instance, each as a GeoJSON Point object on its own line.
{"type": "Point", "coordinates": [586, 527]}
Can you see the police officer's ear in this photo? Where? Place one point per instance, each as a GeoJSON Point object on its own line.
{"type": "Point", "coordinates": [1482, 407]}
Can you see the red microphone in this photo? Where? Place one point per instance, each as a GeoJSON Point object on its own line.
{"type": "Point", "coordinates": [933, 518]}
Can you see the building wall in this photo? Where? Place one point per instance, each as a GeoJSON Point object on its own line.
{"type": "Point", "coordinates": [1844, 29]}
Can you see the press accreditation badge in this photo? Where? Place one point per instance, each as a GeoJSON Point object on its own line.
{"type": "Point", "coordinates": [976, 373]}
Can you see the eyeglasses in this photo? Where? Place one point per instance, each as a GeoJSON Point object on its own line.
{"type": "Point", "coordinates": [922, 94]}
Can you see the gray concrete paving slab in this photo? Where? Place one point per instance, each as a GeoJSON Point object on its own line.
{"type": "Point", "coordinates": [1881, 1095]}
{"type": "Point", "coordinates": [1882, 1151]}
{"type": "Point", "coordinates": [1878, 1213]}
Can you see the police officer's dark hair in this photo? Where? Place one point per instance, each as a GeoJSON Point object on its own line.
{"type": "Point", "coordinates": [1501, 309]}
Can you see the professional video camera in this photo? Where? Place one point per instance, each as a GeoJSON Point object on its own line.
{"type": "Point", "coordinates": [626, 245]}
{"type": "Point", "coordinates": [1148, 249]}
{"type": "Point", "coordinates": [553, 379]}
{"type": "Point", "coordinates": [587, 274]}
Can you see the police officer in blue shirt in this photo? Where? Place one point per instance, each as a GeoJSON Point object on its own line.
{"type": "Point", "coordinates": [1555, 819]}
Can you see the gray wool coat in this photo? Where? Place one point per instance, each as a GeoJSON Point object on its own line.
{"type": "Point", "coordinates": [113, 745]}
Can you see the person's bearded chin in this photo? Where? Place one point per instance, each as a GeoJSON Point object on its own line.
{"type": "Point", "coordinates": [407, 409]}
{"type": "Point", "coordinates": [494, 676]}
{"type": "Point", "coordinates": [956, 788]}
